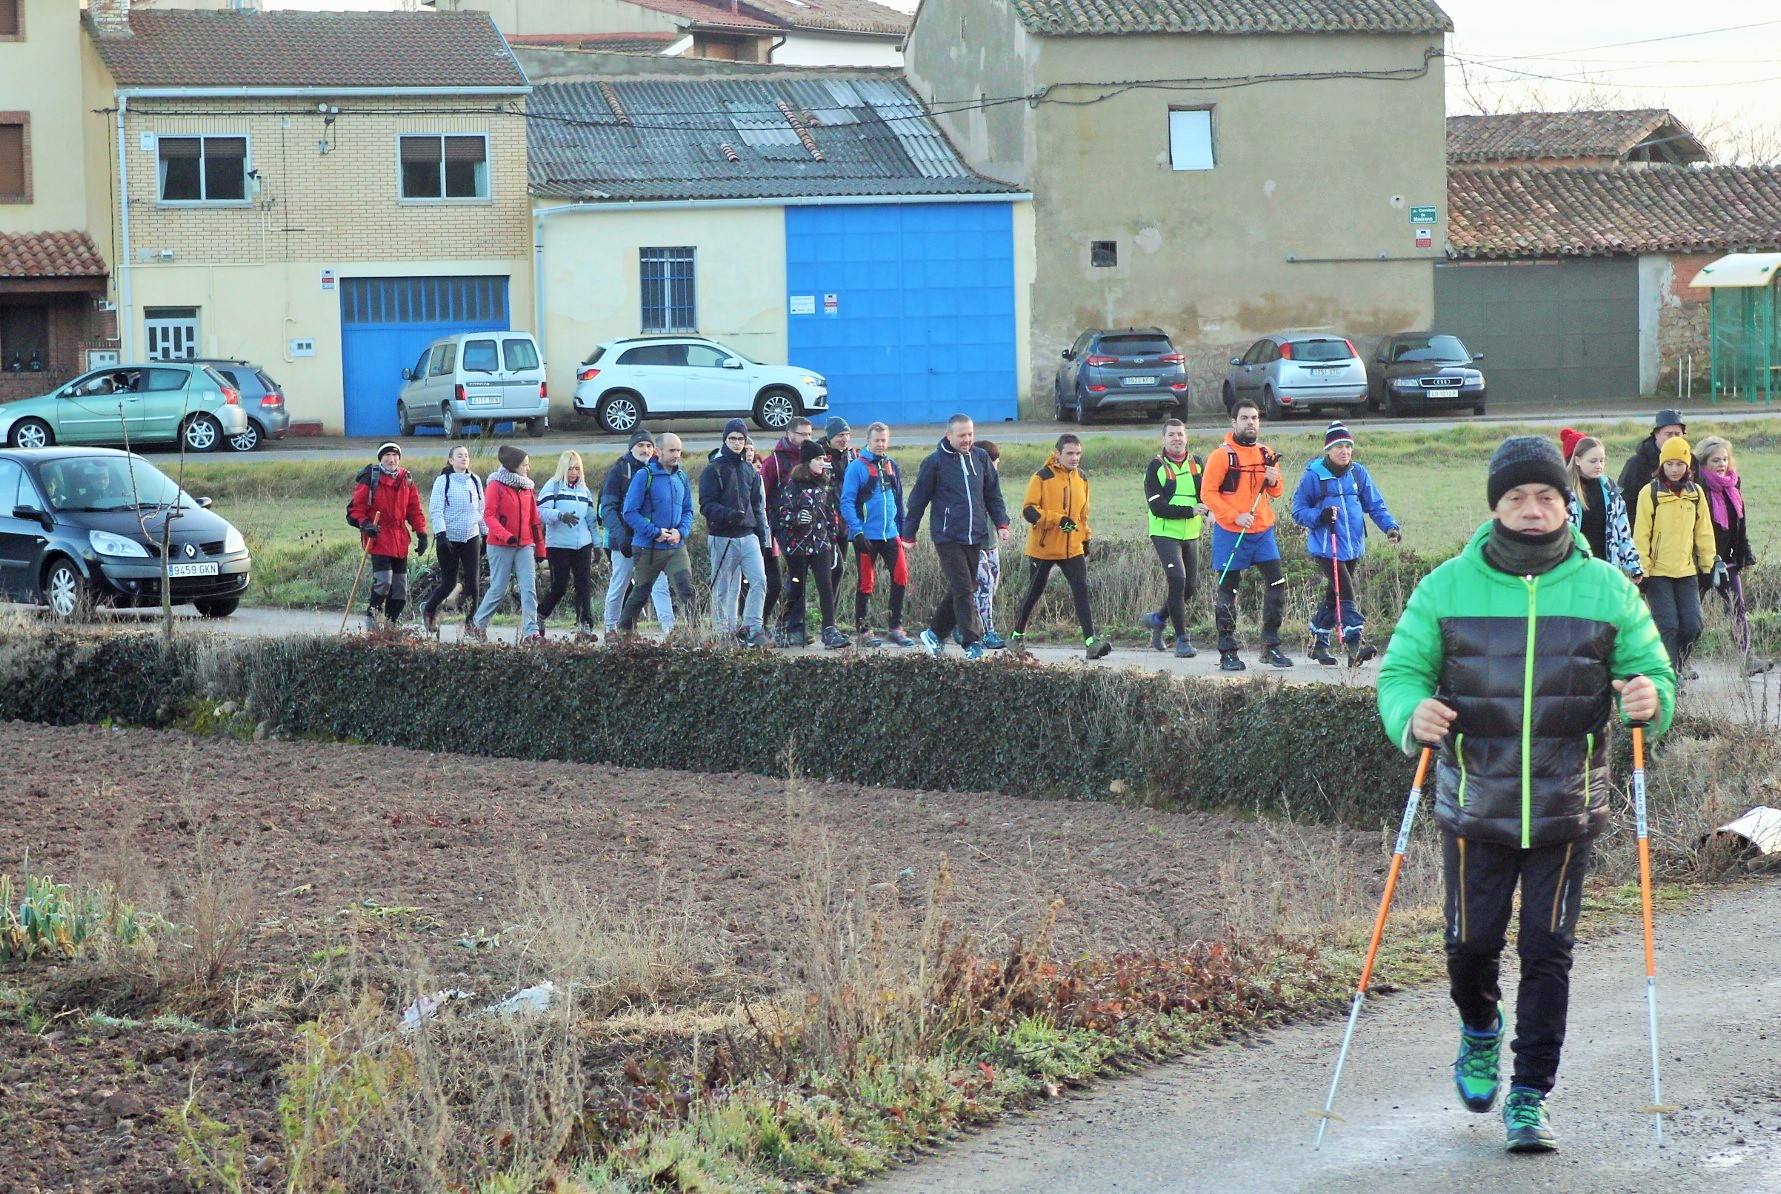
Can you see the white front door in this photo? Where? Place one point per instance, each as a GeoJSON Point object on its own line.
{"type": "Point", "coordinates": [172, 333]}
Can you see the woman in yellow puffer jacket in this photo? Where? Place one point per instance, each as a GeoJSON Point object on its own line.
{"type": "Point", "coordinates": [1674, 536]}
{"type": "Point", "coordinates": [1056, 510]}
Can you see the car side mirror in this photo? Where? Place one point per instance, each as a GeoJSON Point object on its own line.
{"type": "Point", "coordinates": [1069, 354]}
{"type": "Point", "coordinates": [1236, 360]}
{"type": "Point", "coordinates": [204, 503]}
{"type": "Point", "coordinates": [1477, 356]}
{"type": "Point", "coordinates": [407, 375]}
{"type": "Point", "coordinates": [27, 514]}
{"type": "Point", "coordinates": [732, 363]}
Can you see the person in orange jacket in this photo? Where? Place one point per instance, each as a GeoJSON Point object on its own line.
{"type": "Point", "coordinates": [386, 506]}
{"type": "Point", "coordinates": [1239, 474]}
{"type": "Point", "coordinates": [1058, 535]}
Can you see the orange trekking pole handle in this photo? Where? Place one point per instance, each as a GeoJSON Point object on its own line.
{"type": "Point", "coordinates": [1366, 973]}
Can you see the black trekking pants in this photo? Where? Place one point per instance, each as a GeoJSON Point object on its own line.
{"type": "Point", "coordinates": [793, 596]}
{"type": "Point", "coordinates": [820, 567]}
{"type": "Point", "coordinates": [459, 563]}
{"type": "Point", "coordinates": [1075, 571]}
{"type": "Point", "coordinates": [771, 560]}
{"type": "Point", "coordinates": [958, 608]}
{"type": "Point", "coordinates": [1675, 603]}
{"type": "Point", "coordinates": [389, 586]}
{"type": "Point", "coordinates": [1180, 560]}
{"type": "Point", "coordinates": [570, 564]}
{"type": "Point", "coordinates": [1481, 879]}
{"type": "Point", "coordinates": [1323, 618]}
{"type": "Point", "coordinates": [1224, 607]}
{"type": "Point", "coordinates": [883, 554]}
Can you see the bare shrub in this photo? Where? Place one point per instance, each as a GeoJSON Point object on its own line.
{"type": "Point", "coordinates": [1291, 882]}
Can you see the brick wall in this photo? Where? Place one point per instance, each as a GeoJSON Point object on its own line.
{"type": "Point", "coordinates": [341, 204]}
{"type": "Point", "coordinates": [74, 327]}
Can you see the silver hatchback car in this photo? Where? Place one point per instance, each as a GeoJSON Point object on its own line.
{"type": "Point", "coordinates": [1289, 371]}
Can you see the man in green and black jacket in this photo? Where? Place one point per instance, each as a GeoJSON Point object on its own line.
{"type": "Point", "coordinates": [1509, 658]}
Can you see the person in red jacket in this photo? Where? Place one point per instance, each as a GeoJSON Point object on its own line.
{"type": "Point", "coordinates": [386, 507]}
{"type": "Point", "coordinates": [516, 544]}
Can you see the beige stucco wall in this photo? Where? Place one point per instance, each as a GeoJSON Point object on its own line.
{"type": "Point", "coordinates": [592, 290]}
{"type": "Point", "coordinates": [802, 48]}
{"type": "Point", "coordinates": [963, 52]}
{"type": "Point", "coordinates": [41, 75]}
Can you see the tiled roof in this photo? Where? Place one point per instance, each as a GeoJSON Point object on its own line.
{"type": "Point", "coordinates": [1574, 212]}
{"type": "Point", "coordinates": [611, 43]}
{"type": "Point", "coordinates": [1557, 135]}
{"type": "Point", "coordinates": [700, 15]}
{"type": "Point", "coordinates": [848, 133]}
{"type": "Point", "coordinates": [172, 48]}
{"type": "Point", "coordinates": [842, 16]}
{"type": "Point", "coordinates": [50, 255]}
{"type": "Point", "coordinates": [1089, 17]}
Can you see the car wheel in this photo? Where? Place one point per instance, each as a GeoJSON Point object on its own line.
{"type": "Point", "coordinates": [1271, 408]}
{"type": "Point", "coordinates": [202, 433]}
{"type": "Point", "coordinates": [453, 428]}
{"type": "Point", "coordinates": [1479, 409]}
{"type": "Point", "coordinates": [537, 427]}
{"type": "Point", "coordinates": [774, 410]}
{"type": "Point", "coordinates": [1080, 414]}
{"type": "Point", "coordinates": [30, 433]}
{"type": "Point", "coordinates": [404, 424]}
{"type": "Point", "coordinates": [219, 607]}
{"type": "Point", "coordinates": [1057, 405]}
{"type": "Point", "coordinates": [1372, 401]}
{"type": "Point", "coordinates": [619, 412]}
{"type": "Point", "coordinates": [250, 439]}
{"type": "Point", "coordinates": [1230, 398]}
{"type": "Point", "coordinates": [65, 591]}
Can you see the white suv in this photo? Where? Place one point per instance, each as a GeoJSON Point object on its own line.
{"type": "Point", "coordinates": [622, 381]}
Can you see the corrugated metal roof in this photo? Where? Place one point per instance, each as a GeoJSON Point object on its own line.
{"type": "Point", "coordinates": [871, 132]}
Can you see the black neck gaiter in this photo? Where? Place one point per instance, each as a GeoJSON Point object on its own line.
{"type": "Point", "coordinates": [1527, 555]}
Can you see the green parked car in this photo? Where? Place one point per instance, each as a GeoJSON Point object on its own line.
{"type": "Point", "coordinates": [161, 402]}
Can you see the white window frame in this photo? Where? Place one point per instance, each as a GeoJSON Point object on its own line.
{"type": "Point", "coordinates": [486, 177]}
{"type": "Point", "coordinates": [1186, 153]}
{"type": "Point", "coordinates": [247, 169]}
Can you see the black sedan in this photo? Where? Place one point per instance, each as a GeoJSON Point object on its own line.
{"type": "Point", "coordinates": [83, 526]}
{"type": "Point", "coordinates": [1424, 371]}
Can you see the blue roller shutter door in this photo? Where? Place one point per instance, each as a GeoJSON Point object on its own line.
{"type": "Point", "coordinates": [384, 324]}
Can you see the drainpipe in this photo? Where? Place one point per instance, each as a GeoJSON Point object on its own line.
{"type": "Point", "coordinates": [538, 331]}
{"type": "Point", "coordinates": [126, 323]}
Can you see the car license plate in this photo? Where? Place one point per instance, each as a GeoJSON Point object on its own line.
{"type": "Point", "coordinates": [1329, 372]}
{"type": "Point", "coordinates": [1140, 381]}
{"type": "Point", "coordinates": [1443, 393]}
{"type": "Point", "coordinates": [485, 400]}
{"type": "Point", "coordinates": [208, 568]}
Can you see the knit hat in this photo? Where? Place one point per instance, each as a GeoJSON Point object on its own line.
{"type": "Point", "coordinates": [810, 450]}
{"type": "Point", "coordinates": [641, 436]}
{"type": "Point", "coordinates": [735, 427]}
{"type": "Point", "coordinates": [1568, 439]}
{"type": "Point", "coordinates": [1668, 417]}
{"type": "Point", "coordinates": [1337, 434]}
{"type": "Point", "coordinates": [1527, 460]}
{"type": "Point", "coordinates": [1675, 448]}
{"type": "Point", "coordinates": [834, 427]}
{"type": "Point", "coordinates": [390, 446]}
{"type": "Point", "coordinates": [510, 457]}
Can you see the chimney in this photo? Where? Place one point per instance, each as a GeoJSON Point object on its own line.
{"type": "Point", "coordinates": [111, 18]}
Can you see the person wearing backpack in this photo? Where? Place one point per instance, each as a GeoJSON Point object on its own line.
{"type": "Point", "coordinates": [804, 523]}
{"type": "Point", "coordinates": [734, 503]}
{"type": "Point", "coordinates": [1673, 531]}
{"type": "Point", "coordinates": [1056, 509]}
{"type": "Point", "coordinates": [454, 511]}
{"type": "Point", "coordinates": [619, 551]}
{"type": "Point", "coordinates": [568, 509]}
{"type": "Point", "coordinates": [386, 507]}
{"type": "Point", "coordinates": [1242, 478]}
{"type": "Point", "coordinates": [872, 508]}
{"type": "Point", "coordinates": [1717, 469]}
{"type": "Point", "coordinates": [1176, 521]}
{"type": "Point", "coordinates": [659, 509]}
{"type": "Point", "coordinates": [1334, 499]}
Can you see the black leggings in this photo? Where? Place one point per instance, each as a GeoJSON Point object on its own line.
{"type": "Point", "coordinates": [1273, 604]}
{"type": "Point", "coordinates": [566, 564]}
{"type": "Point", "coordinates": [1075, 571]}
{"type": "Point", "coordinates": [820, 567]}
{"type": "Point", "coordinates": [771, 560]}
{"type": "Point", "coordinates": [459, 563]}
{"type": "Point", "coordinates": [1181, 565]}
{"type": "Point", "coordinates": [389, 586]}
{"type": "Point", "coordinates": [883, 554]}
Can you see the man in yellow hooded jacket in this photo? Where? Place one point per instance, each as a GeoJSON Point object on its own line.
{"type": "Point", "coordinates": [1673, 532]}
{"type": "Point", "coordinates": [1058, 535]}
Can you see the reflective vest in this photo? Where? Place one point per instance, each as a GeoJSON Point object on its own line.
{"type": "Point", "coordinates": [1186, 477]}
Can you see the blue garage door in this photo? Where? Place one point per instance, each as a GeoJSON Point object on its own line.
{"type": "Point", "coordinates": [910, 308]}
{"type": "Point", "coordinates": [384, 324]}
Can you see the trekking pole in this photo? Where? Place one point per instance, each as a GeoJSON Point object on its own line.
{"type": "Point", "coordinates": [1366, 973]}
{"type": "Point", "coordinates": [1657, 1108]}
{"type": "Point", "coordinates": [354, 594]}
{"type": "Point", "coordinates": [1270, 461]}
{"type": "Point", "coordinates": [1336, 577]}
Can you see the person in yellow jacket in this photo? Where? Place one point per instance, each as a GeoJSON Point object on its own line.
{"type": "Point", "coordinates": [1674, 536]}
{"type": "Point", "coordinates": [1058, 535]}
{"type": "Point", "coordinates": [1240, 474]}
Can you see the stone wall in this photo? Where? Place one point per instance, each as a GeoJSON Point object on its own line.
{"type": "Point", "coordinates": [1683, 326]}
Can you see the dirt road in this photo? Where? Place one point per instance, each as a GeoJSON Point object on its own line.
{"type": "Point", "coordinates": [1242, 1118]}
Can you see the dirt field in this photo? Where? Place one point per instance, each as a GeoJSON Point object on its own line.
{"type": "Point", "coordinates": [412, 862]}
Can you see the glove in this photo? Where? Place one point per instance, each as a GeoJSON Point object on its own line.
{"type": "Point", "coordinates": [860, 546]}
{"type": "Point", "coordinates": [1394, 536]}
{"type": "Point", "coordinates": [420, 545]}
{"type": "Point", "coordinates": [1067, 525]}
{"type": "Point", "coordinates": [573, 520]}
{"type": "Point", "coordinates": [1721, 576]}
{"type": "Point", "coordinates": [1331, 515]}
{"type": "Point", "coordinates": [1087, 549]}
{"type": "Point", "coordinates": [804, 518]}
{"type": "Point", "coordinates": [625, 551]}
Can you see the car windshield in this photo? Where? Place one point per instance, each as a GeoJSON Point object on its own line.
{"type": "Point", "coordinates": [1136, 346]}
{"type": "Point", "coordinates": [730, 352]}
{"type": "Point", "coordinates": [1445, 350]}
{"type": "Point", "coordinates": [95, 484]}
{"type": "Point", "coordinates": [1320, 350]}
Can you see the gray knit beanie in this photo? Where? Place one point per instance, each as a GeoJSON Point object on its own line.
{"type": "Point", "coordinates": [1526, 460]}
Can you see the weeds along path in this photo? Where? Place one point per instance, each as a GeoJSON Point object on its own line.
{"type": "Point", "coordinates": [1244, 1118]}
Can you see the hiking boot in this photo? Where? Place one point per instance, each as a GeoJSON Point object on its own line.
{"type": "Point", "coordinates": [975, 650]}
{"type": "Point", "coordinates": [1273, 658]}
{"type": "Point", "coordinates": [373, 622]}
{"type": "Point", "coordinates": [1184, 649]}
{"type": "Point", "coordinates": [992, 641]}
{"type": "Point", "coordinates": [474, 634]}
{"type": "Point", "coordinates": [533, 640]}
{"type": "Point", "coordinates": [834, 639]}
{"type": "Point", "coordinates": [897, 637]}
{"type": "Point", "coordinates": [1756, 665]}
{"type": "Point", "coordinates": [1228, 662]}
{"type": "Point", "coordinates": [932, 642]}
{"type": "Point", "coordinates": [1524, 1115]}
{"type": "Point", "coordinates": [1017, 643]}
{"type": "Point", "coordinates": [752, 637]}
{"type": "Point", "coordinates": [865, 638]}
{"type": "Point", "coordinates": [431, 619]}
{"type": "Point", "coordinates": [1359, 653]}
{"type": "Point", "coordinates": [585, 634]}
{"type": "Point", "coordinates": [1320, 653]}
{"type": "Point", "coordinates": [1155, 623]}
{"type": "Point", "coordinates": [1475, 1069]}
{"type": "Point", "coordinates": [1098, 648]}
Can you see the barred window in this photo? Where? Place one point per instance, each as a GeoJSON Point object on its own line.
{"type": "Point", "coordinates": [668, 290]}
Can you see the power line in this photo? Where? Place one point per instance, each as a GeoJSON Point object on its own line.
{"type": "Point", "coordinates": [1614, 45]}
{"type": "Point", "coordinates": [1587, 77]}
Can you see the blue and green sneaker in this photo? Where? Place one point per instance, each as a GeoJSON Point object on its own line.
{"type": "Point", "coordinates": [1524, 1114]}
{"type": "Point", "coordinates": [1475, 1069]}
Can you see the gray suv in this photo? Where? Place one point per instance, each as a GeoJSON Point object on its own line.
{"type": "Point", "coordinates": [262, 400]}
{"type": "Point", "coordinates": [1130, 369]}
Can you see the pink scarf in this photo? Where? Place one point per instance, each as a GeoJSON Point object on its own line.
{"type": "Point", "coordinates": [1723, 493]}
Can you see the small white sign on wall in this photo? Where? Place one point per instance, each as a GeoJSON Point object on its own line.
{"type": "Point", "coordinates": [327, 279]}
{"type": "Point", "coordinates": [302, 348]}
{"type": "Point", "coordinates": [803, 304]}
{"type": "Point", "coordinates": [831, 304]}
